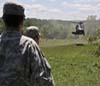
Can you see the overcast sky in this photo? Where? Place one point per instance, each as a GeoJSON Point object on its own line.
{"type": "Point", "coordinates": [58, 9]}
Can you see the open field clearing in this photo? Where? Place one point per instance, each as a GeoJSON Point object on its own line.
{"type": "Point", "coordinates": [74, 65]}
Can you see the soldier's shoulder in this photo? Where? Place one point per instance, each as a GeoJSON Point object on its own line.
{"type": "Point", "coordinates": [0, 36]}
{"type": "Point", "coordinates": [28, 39]}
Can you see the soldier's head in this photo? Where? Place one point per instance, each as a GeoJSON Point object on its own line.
{"type": "Point", "coordinates": [33, 32]}
{"type": "Point", "coordinates": [13, 15]}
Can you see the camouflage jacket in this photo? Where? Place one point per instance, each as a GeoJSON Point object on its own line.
{"type": "Point", "coordinates": [21, 62]}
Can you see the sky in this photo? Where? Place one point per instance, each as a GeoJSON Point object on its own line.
{"type": "Point", "coordinates": [58, 9]}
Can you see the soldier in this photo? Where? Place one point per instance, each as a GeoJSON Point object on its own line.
{"type": "Point", "coordinates": [33, 32]}
{"type": "Point", "coordinates": [21, 61]}
{"type": "Point", "coordinates": [80, 28]}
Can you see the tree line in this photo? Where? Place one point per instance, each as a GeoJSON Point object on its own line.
{"type": "Point", "coordinates": [60, 29]}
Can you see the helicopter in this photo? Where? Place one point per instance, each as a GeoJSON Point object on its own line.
{"type": "Point", "coordinates": [79, 29]}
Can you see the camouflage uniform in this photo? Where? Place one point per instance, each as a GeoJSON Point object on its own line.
{"type": "Point", "coordinates": [21, 62]}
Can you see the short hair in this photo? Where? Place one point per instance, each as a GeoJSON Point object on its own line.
{"type": "Point", "coordinates": [13, 20]}
{"type": "Point", "coordinates": [13, 14]}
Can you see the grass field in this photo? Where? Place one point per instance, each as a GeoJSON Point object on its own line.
{"type": "Point", "coordinates": [73, 65]}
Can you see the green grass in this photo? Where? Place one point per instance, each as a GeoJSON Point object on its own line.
{"type": "Point", "coordinates": [74, 65]}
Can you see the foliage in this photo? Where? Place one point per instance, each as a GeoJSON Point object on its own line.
{"type": "Point", "coordinates": [98, 32]}
{"type": "Point", "coordinates": [59, 29]}
{"type": "Point", "coordinates": [91, 25]}
{"type": "Point", "coordinates": [52, 29]}
{"type": "Point", "coordinates": [92, 38]}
